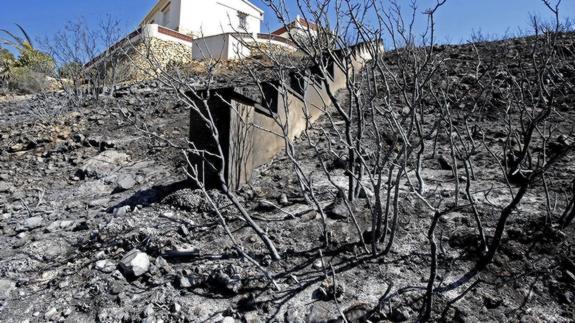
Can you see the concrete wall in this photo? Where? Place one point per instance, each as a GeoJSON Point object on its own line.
{"type": "Point", "coordinates": [245, 144]}
{"type": "Point", "coordinates": [222, 46]}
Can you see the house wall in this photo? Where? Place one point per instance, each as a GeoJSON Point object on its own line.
{"type": "Point", "coordinates": [211, 47]}
{"type": "Point", "coordinates": [172, 20]}
{"type": "Point", "coordinates": [212, 17]}
{"type": "Point", "coordinates": [222, 46]}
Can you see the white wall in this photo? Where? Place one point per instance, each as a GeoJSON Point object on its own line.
{"type": "Point", "coordinates": [173, 19]}
{"type": "Point", "coordinates": [211, 17]}
{"type": "Point", "coordinates": [222, 46]}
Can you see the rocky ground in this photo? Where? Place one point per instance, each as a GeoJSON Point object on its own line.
{"type": "Point", "coordinates": [97, 224]}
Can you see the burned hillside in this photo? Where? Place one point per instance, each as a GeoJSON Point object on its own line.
{"type": "Point", "coordinates": [100, 221]}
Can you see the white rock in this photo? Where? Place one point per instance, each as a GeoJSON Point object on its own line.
{"type": "Point", "coordinates": [103, 164]}
{"type": "Point", "coordinates": [6, 287]}
{"type": "Point", "coordinates": [135, 263]}
{"type": "Point", "coordinates": [33, 222]}
{"type": "Point", "coordinates": [122, 210]}
{"type": "Point", "coordinates": [105, 266]}
{"type": "Point", "coordinates": [50, 313]}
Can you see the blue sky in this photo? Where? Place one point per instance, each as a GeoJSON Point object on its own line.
{"type": "Point", "coordinates": [455, 22]}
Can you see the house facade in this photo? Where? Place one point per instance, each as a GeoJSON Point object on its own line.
{"type": "Point", "coordinates": [206, 18]}
{"type": "Point", "coordinates": [181, 31]}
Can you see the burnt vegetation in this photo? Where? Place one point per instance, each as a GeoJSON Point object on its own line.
{"type": "Point", "coordinates": [436, 183]}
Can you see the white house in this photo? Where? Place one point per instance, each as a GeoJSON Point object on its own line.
{"type": "Point", "coordinates": [203, 18]}
{"type": "Point", "coordinates": [184, 30]}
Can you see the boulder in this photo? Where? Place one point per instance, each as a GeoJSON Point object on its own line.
{"type": "Point", "coordinates": [338, 208]}
{"type": "Point", "coordinates": [124, 183]}
{"type": "Point", "coordinates": [103, 164]}
{"type": "Point", "coordinates": [30, 224]}
{"type": "Point", "coordinates": [135, 263]}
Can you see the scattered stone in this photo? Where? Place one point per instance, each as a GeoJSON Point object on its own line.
{"type": "Point", "coordinates": [184, 282]}
{"type": "Point", "coordinates": [30, 224]}
{"type": "Point", "coordinates": [283, 200]}
{"type": "Point", "coordinates": [318, 264]}
{"type": "Point", "coordinates": [365, 193]}
{"type": "Point", "coordinates": [6, 287]}
{"type": "Point", "coordinates": [228, 319]}
{"type": "Point", "coordinates": [135, 263]}
{"type": "Point", "coordinates": [67, 312]}
{"type": "Point", "coordinates": [444, 163]}
{"type": "Point", "coordinates": [102, 165]}
{"type": "Point", "coordinates": [106, 266]}
{"type": "Point", "coordinates": [124, 183]}
{"type": "Point", "coordinates": [50, 313]}
{"type": "Point", "coordinates": [265, 206]}
{"type": "Point", "coordinates": [61, 225]}
{"type": "Point", "coordinates": [568, 276]}
{"type": "Point", "coordinates": [99, 202]}
{"type": "Point", "coordinates": [17, 147]}
{"type": "Point", "coordinates": [122, 211]}
{"type": "Point", "coordinates": [183, 230]}
{"type": "Point", "coordinates": [338, 208]}
{"type": "Point", "coordinates": [187, 199]}
{"type": "Point", "coordinates": [327, 291]}
{"type": "Point", "coordinates": [398, 315]}
{"type": "Point", "coordinates": [491, 302]}
{"type": "Point", "coordinates": [227, 281]}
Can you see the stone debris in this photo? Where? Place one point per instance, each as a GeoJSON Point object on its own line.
{"type": "Point", "coordinates": [125, 182]}
{"type": "Point", "coordinates": [6, 287]}
{"type": "Point", "coordinates": [135, 263]}
{"type": "Point", "coordinates": [30, 224]}
{"type": "Point", "coordinates": [338, 209]}
{"type": "Point", "coordinates": [105, 266]}
{"type": "Point", "coordinates": [103, 164]}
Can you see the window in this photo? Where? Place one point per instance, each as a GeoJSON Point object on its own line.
{"type": "Point", "coordinates": [166, 15]}
{"type": "Point", "coordinates": [243, 18]}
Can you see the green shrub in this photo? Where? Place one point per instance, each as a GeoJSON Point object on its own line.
{"type": "Point", "coordinates": [31, 71]}
{"type": "Point", "coordinates": [35, 60]}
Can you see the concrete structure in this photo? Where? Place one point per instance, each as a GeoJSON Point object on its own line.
{"type": "Point", "coordinates": [235, 45]}
{"type": "Point", "coordinates": [240, 113]}
{"type": "Point", "coordinates": [297, 28]}
{"type": "Point", "coordinates": [207, 17]}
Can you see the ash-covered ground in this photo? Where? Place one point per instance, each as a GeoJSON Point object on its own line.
{"type": "Point", "coordinates": [98, 225]}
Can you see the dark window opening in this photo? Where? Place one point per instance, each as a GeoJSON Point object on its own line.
{"type": "Point", "coordinates": [243, 20]}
